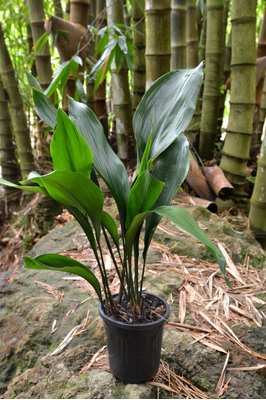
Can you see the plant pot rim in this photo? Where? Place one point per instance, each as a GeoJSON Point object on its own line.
{"type": "Point", "coordinates": [137, 326]}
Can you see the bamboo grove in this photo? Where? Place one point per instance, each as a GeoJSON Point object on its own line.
{"type": "Point", "coordinates": [108, 53]}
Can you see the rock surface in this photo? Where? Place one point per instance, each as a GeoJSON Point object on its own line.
{"type": "Point", "coordinates": [27, 312]}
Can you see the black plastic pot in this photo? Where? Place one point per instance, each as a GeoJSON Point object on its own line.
{"type": "Point", "coordinates": [134, 350]}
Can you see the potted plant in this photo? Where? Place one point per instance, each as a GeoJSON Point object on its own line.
{"type": "Point", "coordinates": [133, 319]}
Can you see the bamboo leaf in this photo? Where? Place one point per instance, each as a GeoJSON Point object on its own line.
{"type": "Point", "coordinates": [80, 90]}
{"type": "Point", "coordinates": [55, 262]}
{"type": "Point", "coordinates": [33, 82]}
{"type": "Point", "coordinates": [40, 42]}
{"type": "Point", "coordinates": [108, 49]}
{"type": "Point", "coordinates": [62, 73]}
{"type": "Point", "coordinates": [77, 60]}
{"type": "Point", "coordinates": [118, 57]}
{"type": "Point", "coordinates": [122, 43]}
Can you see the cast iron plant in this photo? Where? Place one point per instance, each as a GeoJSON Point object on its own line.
{"type": "Point", "coordinates": [79, 150]}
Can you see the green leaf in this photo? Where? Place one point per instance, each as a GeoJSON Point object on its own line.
{"type": "Point", "coordinates": [76, 190]}
{"type": "Point", "coordinates": [118, 57]}
{"type": "Point", "coordinates": [139, 4]}
{"type": "Point", "coordinates": [145, 162]}
{"type": "Point", "coordinates": [101, 75]}
{"type": "Point", "coordinates": [122, 43]}
{"type": "Point", "coordinates": [55, 262]}
{"type": "Point", "coordinates": [69, 150]}
{"type": "Point", "coordinates": [84, 223]}
{"type": "Point", "coordinates": [33, 82]}
{"type": "Point", "coordinates": [105, 161]}
{"type": "Point", "coordinates": [80, 89]}
{"type": "Point", "coordinates": [142, 196]}
{"type": "Point", "coordinates": [172, 100]}
{"type": "Point", "coordinates": [103, 39]}
{"type": "Point", "coordinates": [40, 42]}
{"type": "Point", "coordinates": [74, 66]}
{"type": "Point", "coordinates": [183, 221]}
{"type": "Point", "coordinates": [44, 108]}
{"type": "Point", "coordinates": [202, 6]}
{"type": "Point", "coordinates": [134, 227]}
{"type": "Point", "coordinates": [110, 225]}
{"type": "Point", "coordinates": [171, 168]}
{"type": "Point", "coordinates": [106, 54]}
{"type": "Point", "coordinates": [77, 60]}
{"type": "Point", "coordinates": [62, 73]}
{"type": "Point", "coordinates": [33, 177]}
{"type": "Point", "coordinates": [36, 189]}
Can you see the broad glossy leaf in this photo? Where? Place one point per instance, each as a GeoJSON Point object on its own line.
{"type": "Point", "coordinates": [105, 161]}
{"type": "Point", "coordinates": [111, 227]}
{"type": "Point", "coordinates": [79, 215]}
{"type": "Point", "coordinates": [74, 189]}
{"type": "Point", "coordinates": [69, 150]}
{"type": "Point", "coordinates": [35, 189]}
{"type": "Point", "coordinates": [55, 262]}
{"type": "Point", "coordinates": [172, 99]}
{"type": "Point", "coordinates": [44, 108]}
{"type": "Point", "coordinates": [183, 221]}
{"type": "Point", "coordinates": [171, 168]}
{"type": "Point", "coordinates": [84, 223]}
{"type": "Point", "coordinates": [142, 196]}
{"type": "Point", "coordinates": [145, 158]}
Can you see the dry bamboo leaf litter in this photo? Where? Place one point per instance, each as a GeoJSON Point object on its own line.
{"type": "Point", "coordinates": [77, 330]}
{"type": "Point", "coordinates": [54, 326]}
{"type": "Point", "coordinates": [208, 300]}
{"type": "Point", "coordinates": [254, 368]}
{"type": "Point", "coordinates": [51, 290]}
{"type": "Point", "coordinates": [95, 360]}
{"type": "Point", "coordinates": [182, 306]}
{"type": "Point", "coordinates": [220, 385]}
{"type": "Point", "coordinates": [165, 379]}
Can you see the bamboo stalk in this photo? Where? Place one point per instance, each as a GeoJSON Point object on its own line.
{"type": "Point", "coordinates": [8, 161]}
{"type": "Point", "coordinates": [179, 34]}
{"type": "Point", "coordinates": [158, 39]}
{"type": "Point", "coordinates": [139, 69]}
{"type": "Point", "coordinates": [235, 153]}
{"type": "Point", "coordinates": [211, 92]}
{"type": "Point", "coordinates": [19, 121]}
